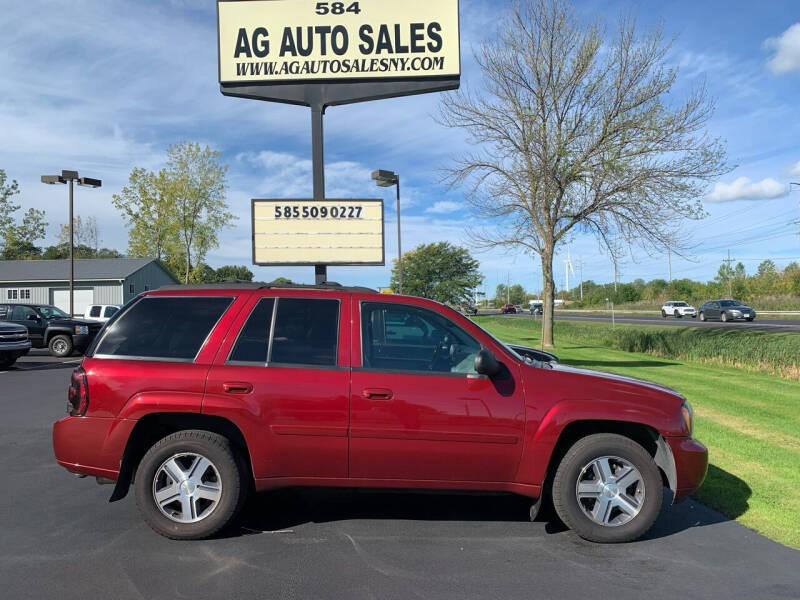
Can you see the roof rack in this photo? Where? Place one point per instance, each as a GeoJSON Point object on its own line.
{"type": "Point", "coordinates": [256, 285]}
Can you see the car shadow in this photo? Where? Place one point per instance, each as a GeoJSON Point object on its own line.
{"type": "Point", "coordinates": [284, 509]}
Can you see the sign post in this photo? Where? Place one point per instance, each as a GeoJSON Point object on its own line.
{"type": "Point", "coordinates": [321, 54]}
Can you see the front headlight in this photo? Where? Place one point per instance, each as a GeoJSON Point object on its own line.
{"type": "Point", "coordinates": [81, 329]}
{"type": "Point", "coordinates": [688, 417]}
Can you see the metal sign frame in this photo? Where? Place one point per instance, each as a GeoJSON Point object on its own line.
{"type": "Point", "coordinates": [378, 201]}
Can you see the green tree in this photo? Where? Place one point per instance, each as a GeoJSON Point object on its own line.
{"type": "Point", "coordinates": [196, 182]}
{"type": "Point", "coordinates": [517, 293]}
{"type": "Point", "coordinates": [234, 273]}
{"type": "Point", "coordinates": [149, 211]}
{"type": "Point", "coordinates": [18, 240]}
{"type": "Point", "coordinates": [8, 189]}
{"type": "Point", "coordinates": [578, 129]}
{"type": "Point", "coordinates": [439, 271]}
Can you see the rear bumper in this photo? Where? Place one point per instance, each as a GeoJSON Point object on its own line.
{"type": "Point", "coordinates": [90, 445]}
{"type": "Point", "coordinates": [691, 464]}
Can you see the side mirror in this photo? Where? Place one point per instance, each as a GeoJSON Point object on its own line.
{"type": "Point", "coordinates": [486, 363]}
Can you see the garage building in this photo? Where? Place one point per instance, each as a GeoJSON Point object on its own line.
{"type": "Point", "coordinates": [97, 281]}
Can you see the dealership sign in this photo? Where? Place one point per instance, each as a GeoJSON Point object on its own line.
{"type": "Point", "coordinates": [318, 232]}
{"type": "Point", "coordinates": [304, 41]}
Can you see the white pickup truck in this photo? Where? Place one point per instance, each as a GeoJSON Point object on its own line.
{"type": "Point", "coordinates": [678, 310]}
{"type": "Point", "coordinates": [100, 312]}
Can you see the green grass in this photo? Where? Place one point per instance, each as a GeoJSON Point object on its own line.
{"type": "Point", "coordinates": [749, 349]}
{"type": "Point", "coordinates": [750, 422]}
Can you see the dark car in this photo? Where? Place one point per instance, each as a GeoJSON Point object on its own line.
{"type": "Point", "coordinates": [469, 310]}
{"type": "Point", "coordinates": [50, 327]}
{"type": "Point", "coordinates": [537, 308]}
{"type": "Point", "coordinates": [195, 395]}
{"type": "Point", "coordinates": [14, 343]}
{"type": "Point", "coordinates": [726, 310]}
{"type": "Point", "coordinates": [508, 309]}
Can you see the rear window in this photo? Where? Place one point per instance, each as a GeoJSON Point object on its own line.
{"type": "Point", "coordinates": [163, 328]}
{"type": "Point", "coordinates": [110, 311]}
{"type": "Point", "coordinates": [95, 311]}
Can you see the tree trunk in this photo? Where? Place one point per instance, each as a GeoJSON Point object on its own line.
{"type": "Point", "coordinates": [548, 300]}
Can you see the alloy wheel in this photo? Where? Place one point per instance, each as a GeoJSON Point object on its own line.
{"type": "Point", "coordinates": [187, 488]}
{"type": "Point", "coordinates": [610, 491]}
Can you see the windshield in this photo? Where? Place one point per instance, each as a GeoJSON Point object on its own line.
{"type": "Point", "coordinates": [48, 312]}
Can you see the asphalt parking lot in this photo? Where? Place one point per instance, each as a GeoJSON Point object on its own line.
{"type": "Point", "coordinates": [62, 539]}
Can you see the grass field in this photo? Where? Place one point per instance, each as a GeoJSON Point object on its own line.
{"type": "Point", "coordinates": [749, 421]}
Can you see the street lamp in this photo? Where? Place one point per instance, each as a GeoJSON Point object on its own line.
{"type": "Point", "coordinates": [71, 177]}
{"type": "Point", "coordinates": [388, 179]}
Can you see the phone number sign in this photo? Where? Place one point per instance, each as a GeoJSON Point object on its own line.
{"type": "Point", "coordinates": [295, 41]}
{"type": "Point", "coordinates": [318, 232]}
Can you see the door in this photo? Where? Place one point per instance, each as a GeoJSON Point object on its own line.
{"type": "Point", "coordinates": [82, 298]}
{"type": "Point", "coordinates": [418, 409]}
{"type": "Point", "coordinates": [25, 315]}
{"type": "Point", "coordinates": [285, 378]}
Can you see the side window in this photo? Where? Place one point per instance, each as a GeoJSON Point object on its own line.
{"type": "Point", "coordinates": [396, 337]}
{"type": "Point", "coordinates": [306, 332]}
{"type": "Point", "coordinates": [21, 313]}
{"type": "Point", "coordinates": [171, 328]}
{"type": "Point", "coordinates": [95, 311]}
{"type": "Point", "coordinates": [5, 311]}
{"type": "Point", "coordinates": [110, 311]}
{"type": "Point", "coordinates": [253, 341]}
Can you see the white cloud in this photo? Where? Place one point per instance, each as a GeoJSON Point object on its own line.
{"type": "Point", "coordinates": [444, 207]}
{"type": "Point", "coordinates": [745, 189]}
{"type": "Point", "coordinates": [787, 51]}
{"type": "Point", "coordinates": [794, 170]}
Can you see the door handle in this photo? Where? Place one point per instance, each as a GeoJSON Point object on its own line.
{"type": "Point", "coordinates": [237, 387]}
{"type": "Point", "coordinates": [377, 394]}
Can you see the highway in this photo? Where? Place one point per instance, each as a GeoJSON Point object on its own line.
{"type": "Point", "coordinates": [766, 324]}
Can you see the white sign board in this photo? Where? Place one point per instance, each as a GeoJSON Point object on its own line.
{"type": "Point", "coordinates": [297, 41]}
{"type": "Point", "coordinates": [318, 232]}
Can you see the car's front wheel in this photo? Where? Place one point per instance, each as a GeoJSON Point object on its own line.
{"type": "Point", "coordinates": [663, 314]}
{"type": "Point", "coordinates": [724, 317]}
{"type": "Point", "coordinates": [190, 485]}
{"type": "Point", "coordinates": [60, 346]}
{"type": "Point", "coordinates": [7, 362]}
{"type": "Point", "coordinates": [607, 489]}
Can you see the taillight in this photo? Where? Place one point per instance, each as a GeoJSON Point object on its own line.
{"type": "Point", "coordinates": [78, 394]}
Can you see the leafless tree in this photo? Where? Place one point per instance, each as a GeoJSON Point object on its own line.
{"type": "Point", "coordinates": [575, 129]}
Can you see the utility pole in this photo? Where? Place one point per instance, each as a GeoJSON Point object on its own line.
{"type": "Point", "coordinates": [729, 260]}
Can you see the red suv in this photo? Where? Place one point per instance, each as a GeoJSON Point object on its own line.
{"type": "Point", "coordinates": [196, 394]}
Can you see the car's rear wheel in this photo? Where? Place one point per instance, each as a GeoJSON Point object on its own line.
{"type": "Point", "coordinates": [190, 485]}
{"type": "Point", "coordinates": [607, 489]}
{"type": "Point", "coordinates": [724, 317]}
{"type": "Point", "coordinates": [60, 346]}
{"type": "Point", "coordinates": [702, 316]}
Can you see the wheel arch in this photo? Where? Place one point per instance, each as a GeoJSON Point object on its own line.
{"type": "Point", "coordinates": [49, 334]}
{"type": "Point", "coordinates": [155, 426]}
{"type": "Point", "coordinates": [645, 435]}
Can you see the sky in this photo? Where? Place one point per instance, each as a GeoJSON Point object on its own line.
{"type": "Point", "coordinates": [105, 86]}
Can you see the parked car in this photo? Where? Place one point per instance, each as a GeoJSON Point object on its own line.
{"type": "Point", "coordinates": [678, 310]}
{"type": "Point", "coordinates": [518, 308]}
{"type": "Point", "coordinates": [726, 310]}
{"type": "Point", "coordinates": [50, 327]}
{"type": "Point", "coordinates": [101, 312]}
{"type": "Point", "coordinates": [508, 309]}
{"type": "Point", "coordinates": [536, 308]}
{"type": "Point", "coordinates": [14, 343]}
{"type": "Point", "coordinates": [469, 310]}
{"type": "Point", "coordinates": [205, 392]}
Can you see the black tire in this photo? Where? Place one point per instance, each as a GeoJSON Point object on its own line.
{"type": "Point", "coordinates": [723, 317]}
{"type": "Point", "coordinates": [233, 483]}
{"type": "Point", "coordinates": [60, 346]}
{"type": "Point", "coordinates": [694, 316]}
{"type": "Point", "coordinates": [663, 314]}
{"type": "Point", "coordinates": [702, 316]}
{"type": "Point", "coordinates": [7, 362]}
{"type": "Point", "coordinates": [751, 319]}
{"type": "Point", "coordinates": [582, 453]}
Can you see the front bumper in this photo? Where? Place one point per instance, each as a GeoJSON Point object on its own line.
{"type": "Point", "coordinates": [17, 348]}
{"type": "Point", "coordinates": [691, 465]}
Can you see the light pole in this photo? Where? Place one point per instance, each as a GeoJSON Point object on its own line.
{"type": "Point", "coordinates": [388, 179]}
{"type": "Point", "coordinates": [71, 177]}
